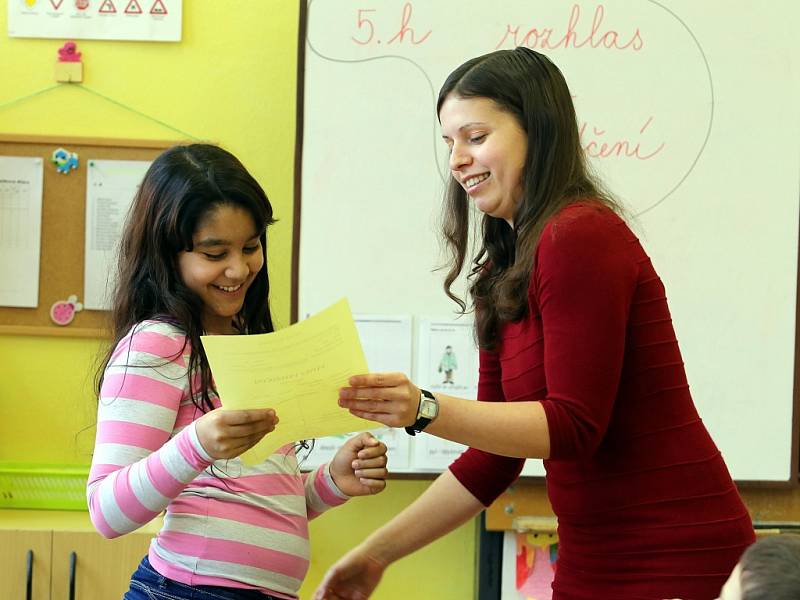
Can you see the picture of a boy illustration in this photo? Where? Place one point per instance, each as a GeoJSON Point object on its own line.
{"type": "Point", "coordinates": [448, 364]}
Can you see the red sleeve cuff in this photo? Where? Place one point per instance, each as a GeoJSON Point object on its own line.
{"type": "Point", "coordinates": [486, 475]}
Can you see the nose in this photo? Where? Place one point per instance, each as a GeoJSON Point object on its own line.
{"type": "Point", "coordinates": [459, 157]}
{"type": "Point", "coordinates": [238, 268]}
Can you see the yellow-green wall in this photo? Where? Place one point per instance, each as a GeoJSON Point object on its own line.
{"type": "Point", "coordinates": [231, 80]}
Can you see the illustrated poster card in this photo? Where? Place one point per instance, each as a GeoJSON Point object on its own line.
{"type": "Point", "coordinates": [529, 563]}
{"type": "Point", "coordinates": [140, 20]}
{"type": "Point", "coordinates": [447, 362]}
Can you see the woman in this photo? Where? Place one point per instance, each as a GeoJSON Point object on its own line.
{"type": "Point", "coordinates": [579, 365]}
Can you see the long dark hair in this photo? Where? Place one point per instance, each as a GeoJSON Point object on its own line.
{"type": "Point", "coordinates": [530, 87]}
{"type": "Point", "coordinates": [180, 188]}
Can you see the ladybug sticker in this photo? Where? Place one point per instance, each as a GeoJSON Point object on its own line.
{"type": "Point", "coordinates": [63, 311]}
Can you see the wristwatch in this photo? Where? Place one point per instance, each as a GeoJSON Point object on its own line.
{"type": "Point", "coordinates": [427, 412]}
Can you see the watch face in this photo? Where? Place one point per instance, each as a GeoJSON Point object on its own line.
{"type": "Point", "coordinates": [429, 408]}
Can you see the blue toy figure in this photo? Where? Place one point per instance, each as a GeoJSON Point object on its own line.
{"type": "Point", "coordinates": [64, 161]}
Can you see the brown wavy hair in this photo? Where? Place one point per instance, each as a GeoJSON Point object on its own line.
{"type": "Point", "coordinates": [532, 89]}
{"type": "Point", "coordinates": [180, 188]}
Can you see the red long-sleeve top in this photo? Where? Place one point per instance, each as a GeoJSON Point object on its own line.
{"type": "Point", "coordinates": [645, 504]}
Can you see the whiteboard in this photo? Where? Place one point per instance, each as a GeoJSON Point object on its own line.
{"type": "Point", "coordinates": [688, 111]}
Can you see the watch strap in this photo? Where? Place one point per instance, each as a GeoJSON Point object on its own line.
{"type": "Point", "coordinates": [421, 422]}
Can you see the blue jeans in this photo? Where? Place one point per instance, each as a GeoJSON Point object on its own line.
{"type": "Point", "coordinates": [149, 584]}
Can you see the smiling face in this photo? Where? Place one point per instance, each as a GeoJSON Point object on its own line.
{"type": "Point", "coordinates": [488, 149]}
{"type": "Point", "coordinates": [225, 258]}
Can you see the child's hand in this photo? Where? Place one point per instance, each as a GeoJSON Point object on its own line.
{"type": "Point", "coordinates": [359, 467]}
{"type": "Point", "coordinates": [228, 433]}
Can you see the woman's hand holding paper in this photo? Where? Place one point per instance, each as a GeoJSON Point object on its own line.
{"type": "Point", "coordinates": [389, 398]}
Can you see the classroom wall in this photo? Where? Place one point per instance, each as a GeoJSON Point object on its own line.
{"type": "Point", "coordinates": [232, 80]}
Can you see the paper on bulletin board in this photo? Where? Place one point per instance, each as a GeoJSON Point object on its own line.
{"type": "Point", "coordinates": [386, 340]}
{"type": "Point", "coordinates": [447, 363]}
{"type": "Point", "coordinates": [110, 188]}
{"type": "Point", "coordinates": [141, 20]}
{"type": "Point", "coordinates": [297, 371]}
{"type": "Point", "coordinates": [20, 230]}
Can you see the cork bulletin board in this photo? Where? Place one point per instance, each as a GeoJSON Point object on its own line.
{"type": "Point", "coordinates": [63, 229]}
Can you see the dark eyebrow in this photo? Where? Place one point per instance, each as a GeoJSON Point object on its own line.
{"type": "Point", "coordinates": [466, 126]}
{"type": "Point", "coordinates": [471, 124]}
{"type": "Point", "coordinates": [210, 242]}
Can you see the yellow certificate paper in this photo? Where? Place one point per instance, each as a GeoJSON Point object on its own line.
{"type": "Point", "coordinates": [297, 371]}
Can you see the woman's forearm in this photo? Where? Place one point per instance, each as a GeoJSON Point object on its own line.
{"type": "Point", "coordinates": [517, 429]}
{"type": "Point", "coordinates": [445, 505]}
{"type": "Point", "coordinates": [507, 428]}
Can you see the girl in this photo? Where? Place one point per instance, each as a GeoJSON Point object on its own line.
{"type": "Point", "coordinates": [193, 261]}
{"type": "Point", "coordinates": [579, 365]}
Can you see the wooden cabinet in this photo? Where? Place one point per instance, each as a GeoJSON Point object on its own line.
{"type": "Point", "coordinates": [102, 568]}
{"type": "Point", "coordinates": [14, 547]}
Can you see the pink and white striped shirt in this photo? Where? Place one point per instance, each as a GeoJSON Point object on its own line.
{"type": "Point", "coordinates": [239, 526]}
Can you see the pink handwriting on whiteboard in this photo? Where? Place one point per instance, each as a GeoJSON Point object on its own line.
{"type": "Point", "coordinates": [365, 23]}
{"type": "Point", "coordinates": [627, 148]}
{"type": "Point", "coordinates": [576, 35]}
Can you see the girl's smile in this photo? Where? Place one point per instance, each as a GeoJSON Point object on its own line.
{"type": "Point", "coordinates": [225, 259]}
